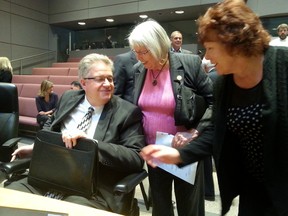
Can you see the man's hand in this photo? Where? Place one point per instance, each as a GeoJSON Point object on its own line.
{"type": "Point", "coordinates": [70, 139]}
{"type": "Point", "coordinates": [22, 152]}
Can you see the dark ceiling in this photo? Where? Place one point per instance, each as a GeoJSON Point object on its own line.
{"type": "Point", "coordinates": [167, 15]}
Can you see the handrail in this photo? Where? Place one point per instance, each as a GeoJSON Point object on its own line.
{"type": "Point", "coordinates": [31, 57]}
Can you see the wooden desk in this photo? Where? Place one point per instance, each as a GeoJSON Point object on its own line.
{"type": "Point", "coordinates": [17, 199]}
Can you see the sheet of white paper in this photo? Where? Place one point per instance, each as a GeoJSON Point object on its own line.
{"type": "Point", "coordinates": [186, 173]}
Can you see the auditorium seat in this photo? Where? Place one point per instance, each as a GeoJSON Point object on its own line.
{"type": "Point", "coordinates": [65, 64]}
{"type": "Point", "coordinates": [27, 111]}
{"type": "Point", "coordinates": [30, 90]}
{"type": "Point", "coordinates": [35, 79]}
{"type": "Point", "coordinates": [74, 59]}
{"type": "Point", "coordinates": [60, 89]}
{"type": "Point", "coordinates": [73, 72]}
{"type": "Point", "coordinates": [50, 71]}
{"type": "Point", "coordinates": [19, 87]}
{"type": "Point", "coordinates": [27, 105]}
{"type": "Point", "coordinates": [62, 80]}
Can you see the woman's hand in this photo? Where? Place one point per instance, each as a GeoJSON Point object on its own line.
{"type": "Point", "coordinates": [70, 138]}
{"type": "Point", "coordinates": [183, 138]}
{"type": "Point", "coordinates": [23, 152]}
{"type": "Point", "coordinates": [48, 113]}
{"type": "Point", "coordinates": [153, 154]}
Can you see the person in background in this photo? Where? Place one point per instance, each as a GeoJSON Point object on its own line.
{"type": "Point", "coordinates": [248, 134]}
{"type": "Point", "coordinates": [158, 77]}
{"type": "Point", "coordinates": [116, 124]}
{"type": "Point", "coordinates": [75, 85]}
{"type": "Point", "coordinates": [176, 42]}
{"type": "Point", "coordinates": [124, 75]}
{"type": "Point", "coordinates": [6, 70]}
{"type": "Point", "coordinates": [208, 161]}
{"type": "Point", "coordinates": [282, 40]}
{"type": "Point", "coordinates": [108, 42]}
{"type": "Point", "coordinates": [46, 102]}
{"type": "Point", "coordinates": [210, 69]}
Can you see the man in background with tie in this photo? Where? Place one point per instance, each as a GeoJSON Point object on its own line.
{"type": "Point", "coordinates": [96, 113]}
{"type": "Point", "coordinates": [176, 43]}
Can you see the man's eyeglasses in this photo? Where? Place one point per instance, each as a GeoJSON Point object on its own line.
{"type": "Point", "coordinates": [100, 79]}
{"type": "Point", "coordinates": [141, 52]}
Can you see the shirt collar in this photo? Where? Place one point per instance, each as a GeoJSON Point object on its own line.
{"type": "Point", "coordinates": [173, 50]}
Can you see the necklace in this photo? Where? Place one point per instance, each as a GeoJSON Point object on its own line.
{"type": "Point", "coordinates": [154, 82]}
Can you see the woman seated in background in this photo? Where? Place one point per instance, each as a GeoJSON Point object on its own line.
{"type": "Point", "coordinates": [46, 102]}
{"type": "Point", "coordinates": [6, 70]}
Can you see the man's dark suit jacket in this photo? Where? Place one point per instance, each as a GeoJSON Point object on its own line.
{"type": "Point", "coordinates": [124, 75]}
{"type": "Point", "coordinates": [120, 138]}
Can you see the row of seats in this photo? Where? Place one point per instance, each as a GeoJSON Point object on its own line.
{"type": "Point", "coordinates": [37, 79]}
{"type": "Point", "coordinates": [65, 64]}
{"type": "Point", "coordinates": [61, 71]}
{"type": "Point", "coordinates": [74, 59]}
{"type": "Point", "coordinates": [78, 59]}
{"type": "Point", "coordinates": [27, 105]}
{"type": "Point", "coordinates": [28, 87]}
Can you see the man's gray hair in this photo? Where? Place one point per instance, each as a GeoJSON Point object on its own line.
{"type": "Point", "coordinates": [283, 25]}
{"type": "Point", "coordinates": [87, 61]}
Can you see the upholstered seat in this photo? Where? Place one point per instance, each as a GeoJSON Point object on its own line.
{"type": "Point", "coordinates": [9, 120]}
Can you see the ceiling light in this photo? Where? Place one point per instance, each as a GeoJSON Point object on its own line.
{"type": "Point", "coordinates": [143, 16]}
{"type": "Point", "coordinates": [81, 23]}
{"type": "Point", "coordinates": [110, 20]}
{"type": "Point", "coordinates": [179, 12]}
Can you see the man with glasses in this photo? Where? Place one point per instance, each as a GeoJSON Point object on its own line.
{"type": "Point", "coordinates": [116, 124]}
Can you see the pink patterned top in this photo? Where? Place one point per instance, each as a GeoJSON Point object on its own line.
{"type": "Point", "coordinates": [157, 104]}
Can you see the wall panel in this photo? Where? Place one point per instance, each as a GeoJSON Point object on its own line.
{"type": "Point", "coordinates": [29, 13]}
{"type": "Point", "coordinates": [5, 26]}
{"type": "Point", "coordinates": [37, 5]}
{"type": "Point", "coordinates": [5, 50]}
{"type": "Point", "coordinates": [63, 6]}
{"type": "Point", "coordinates": [29, 32]}
{"type": "Point", "coordinates": [25, 31]}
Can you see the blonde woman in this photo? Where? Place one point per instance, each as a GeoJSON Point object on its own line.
{"type": "Point", "coordinates": [6, 70]}
{"type": "Point", "coordinates": [46, 102]}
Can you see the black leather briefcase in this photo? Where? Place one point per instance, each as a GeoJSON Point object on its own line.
{"type": "Point", "coordinates": [70, 171]}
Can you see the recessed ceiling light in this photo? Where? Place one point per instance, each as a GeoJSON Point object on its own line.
{"type": "Point", "coordinates": [179, 12]}
{"type": "Point", "coordinates": [143, 16]}
{"type": "Point", "coordinates": [110, 20]}
{"type": "Point", "coordinates": [81, 23]}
